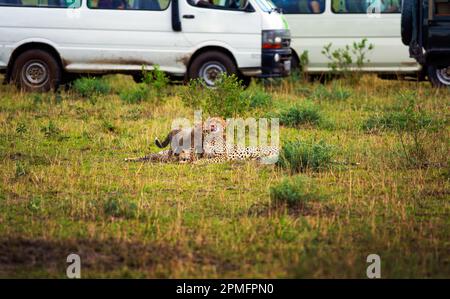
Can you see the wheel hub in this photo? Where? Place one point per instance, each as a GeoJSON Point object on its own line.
{"type": "Point", "coordinates": [211, 71]}
{"type": "Point", "coordinates": [35, 73]}
{"type": "Point", "coordinates": [444, 75]}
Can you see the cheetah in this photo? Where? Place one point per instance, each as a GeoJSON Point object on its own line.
{"type": "Point", "coordinates": [213, 125]}
{"type": "Point", "coordinates": [230, 152]}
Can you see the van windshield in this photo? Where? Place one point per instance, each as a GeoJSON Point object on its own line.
{"type": "Point", "coordinates": [266, 5]}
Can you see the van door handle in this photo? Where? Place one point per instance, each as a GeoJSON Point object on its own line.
{"type": "Point", "coordinates": [188, 17]}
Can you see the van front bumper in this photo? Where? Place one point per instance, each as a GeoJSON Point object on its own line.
{"type": "Point", "coordinates": [276, 63]}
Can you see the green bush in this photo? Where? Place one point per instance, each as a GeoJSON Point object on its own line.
{"type": "Point", "coordinates": [292, 192]}
{"type": "Point", "coordinates": [308, 113]}
{"type": "Point", "coordinates": [349, 60]}
{"type": "Point", "coordinates": [139, 93]}
{"type": "Point", "coordinates": [120, 208]}
{"type": "Point", "coordinates": [157, 80]}
{"type": "Point", "coordinates": [226, 99]}
{"type": "Point", "coordinates": [88, 87]}
{"type": "Point", "coordinates": [21, 128]}
{"type": "Point", "coordinates": [298, 156]}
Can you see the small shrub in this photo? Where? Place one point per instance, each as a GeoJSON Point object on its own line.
{"type": "Point", "coordinates": [304, 60]}
{"type": "Point", "coordinates": [298, 115]}
{"type": "Point", "coordinates": [88, 87]}
{"type": "Point", "coordinates": [139, 93]}
{"type": "Point", "coordinates": [298, 156]}
{"type": "Point", "coordinates": [226, 99]}
{"type": "Point", "coordinates": [157, 80]}
{"type": "Point", "coordinates": [292, 192]}
{"type": "Point", "coordinates": [21, 128]}
{"type": "Point", "coordinates": [349, 60]}
{"type": "Point", "coordinates": [120, 208]}
{"type": "Point", "coordinates": [194, 95]}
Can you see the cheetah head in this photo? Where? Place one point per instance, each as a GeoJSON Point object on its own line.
{"type": "Point", "coordinates": [214, 125]}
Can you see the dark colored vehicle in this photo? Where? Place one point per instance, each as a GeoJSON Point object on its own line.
{"type": "Point", "coordinates": [425, 28]}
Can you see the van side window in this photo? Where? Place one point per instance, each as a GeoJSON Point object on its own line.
{"type": "Point", "coordinates": [301, 6]}
{"type": "Point", "coordinates": [442, 8]}
{"type": "Point", "coordinates": [218, 4]}
{"type": "Point", "coordinates": [365, 6]}
{"type": "Point", "coordinates": [42, 3]}
{"type": "Point", "coordinates": [129, 4]}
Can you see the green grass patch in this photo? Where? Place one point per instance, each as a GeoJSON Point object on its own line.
{"type": "Point", "coordinates": [299, 156]}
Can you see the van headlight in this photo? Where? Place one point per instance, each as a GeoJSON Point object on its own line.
{"type": "Point", "coordinates": [275, 39]}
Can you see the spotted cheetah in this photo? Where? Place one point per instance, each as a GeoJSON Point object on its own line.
{"type": "Point", "coordinates": [214, 125]}
{"type": "Point", "coordinates": [231, 152]}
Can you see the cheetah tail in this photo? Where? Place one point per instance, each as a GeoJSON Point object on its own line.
{"type": "Point", "coordinates": [139, 159]}
{"type": "Point", "coordinates": [165, 143]}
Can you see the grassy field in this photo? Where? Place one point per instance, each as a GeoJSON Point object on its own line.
{"type": "Point", "coordinates": [384, 189]}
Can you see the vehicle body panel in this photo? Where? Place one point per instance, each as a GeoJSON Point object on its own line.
{"type": "Point", "coordinates": [311, 32]}
{"type": "Point", "coordinates": [110, 40]}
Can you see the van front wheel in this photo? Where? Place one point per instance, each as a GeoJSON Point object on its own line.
{"type": "Point", "coordinates": [36, 71]}
{"type": "Point", "coordinates": [210, 65]}
{"type": "Point", "coordinates": [439, 77]}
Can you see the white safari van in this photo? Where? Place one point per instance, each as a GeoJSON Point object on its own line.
{"type": "Point", "coordinates": [44, 41]}
{"type": "Point", "coordinates": [316, 23]}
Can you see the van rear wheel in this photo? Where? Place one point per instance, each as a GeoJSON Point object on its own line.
{"type": "Point", "coordinates": [36, 71]}
{"type": "Point", "coordinates": [406, 26]}
{"type": "Point", "coordinates": [439, 76]}
{"type": "Point", "coordinates": [210, 65]}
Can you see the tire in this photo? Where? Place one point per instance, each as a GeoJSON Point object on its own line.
{"type": "Point", "coordinates": [246, 81]}
{"type": "Point", "coordinates": [295, 63]}
{"type": "Point", "coordinates": [407, 21]}
{"type": "Point", "coordinates": [138, 78]}
{"type": "Point", "coordinates": [209, 65]}
{"type": "Point", "coordinates": [439, 77]}
{"type": "Point", "coordinates": [36, 71]}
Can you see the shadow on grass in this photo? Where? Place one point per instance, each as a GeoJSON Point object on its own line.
{"type": "Point", "coordinates": [20, 256]}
